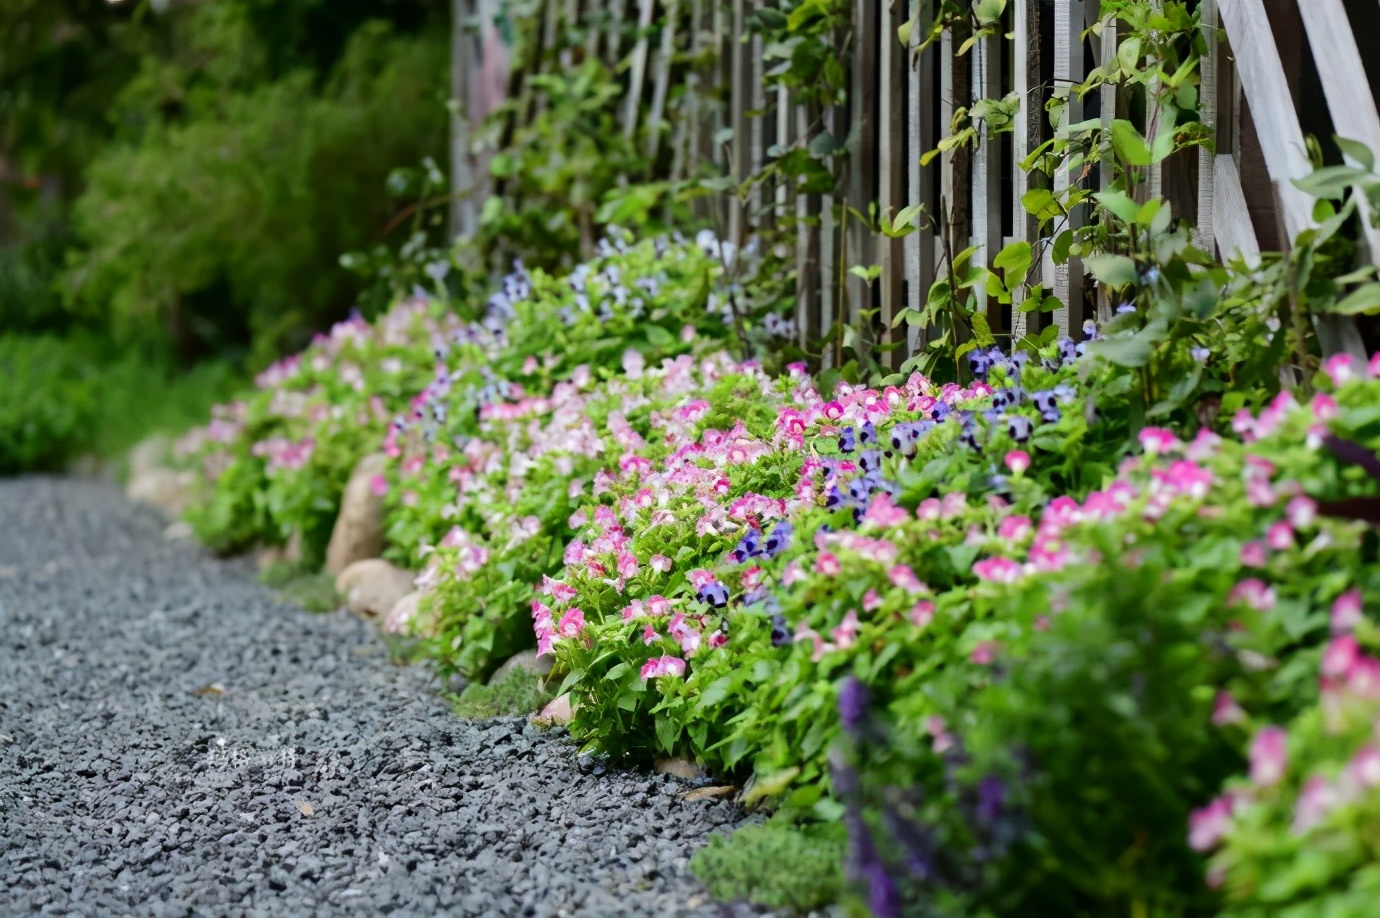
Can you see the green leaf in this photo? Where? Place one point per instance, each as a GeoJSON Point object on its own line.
{"type": "Point", "coordinates": [1116, 271]}
{"type": "Point", "coordinates": [1364, 299]}
{"type": "Point", "coordinates": [1014, 260]}
{"type": "Point", "coordinates": [1357, 152]}
{"type": "Point", "coordinates": [659, 337]}
{"type": "Point", "coordinates": [1120, 204]}
{"type": "Point", "coordinates": [1129, 145]}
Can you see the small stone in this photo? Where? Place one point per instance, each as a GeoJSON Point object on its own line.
{"type": "Point", "coordinates": [358, 532]}
{"type": "Point", "coordinates": [168, 490]}
{"type": "Point", "coordinates": [557, 713]}
{"type": "Point", "coordinates": [710, 793]}
{"type": "Point", "coordinates": [680, 768]}
{"type": "Point", "coordinates": [528, 660]}
{"type": "Point", "coordinates": [180, 531]}
{"type": "Point", "coordinates": [373, 587]}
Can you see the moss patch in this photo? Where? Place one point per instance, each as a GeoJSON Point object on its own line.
{"type": "Point", "coordinates": [520, 692]}
{"type": "Point", "coordinates": [780, 863]}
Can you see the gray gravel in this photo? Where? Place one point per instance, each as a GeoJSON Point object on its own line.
{"type": "Point", "coordinates": [176, 740]}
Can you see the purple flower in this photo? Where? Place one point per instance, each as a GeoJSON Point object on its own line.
{"type": "Point", "coordinates": [853, 701]}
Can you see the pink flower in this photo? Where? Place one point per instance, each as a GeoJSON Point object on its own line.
{"type": "Point", "coordinates": [997, 570]}
{"type": "Point", "coordinates": [1280, 536]}
{"type": "Point", "coordinates": [648, 636]}
{"type": "Point", "coordinates": [700, 578]}
{"type": "Point", "coordinates": [659, 605]}
{"type": "Point", "coordinates": [1253, 554]}
{"type": "Point", "coordinates": [1018, 460]}
{"type": "Point", "coordinates": [871, 601]}
{"type": "Point", "coordinates": [1301, 511]}
{"type": "Point", "coordinates": [1206, 826]}
{"type": "Point", "coordinates": [379, 485]}
{"type": "Point", "coordinates": [1317, 798]}
{"type": "Point", "coordinates": [904, 577]}
{"type": "Point", "coordinates": [1365, 766]}
{"type": "Point", "coordinates": [828, 564]}
{"type": "Point", "coordinates": [1015, 528]}
{"type": "Point", "coordinates": [1363, 679]}
{"type": "Point", "coordinates": [1254, 593]}
{"type": "Point", "coordinates": [1373, 367]}
{"type": "Point", "coordinates": [1347, 612]}
{"type": "Point", "coordinates": [936, 728]}
{"type": "Point", "coordinates": [882, 512]}
{"type": "Point", "coordinates": [1340, 368]}
{"type": "Point", "coordinates": [659, 563]}
{"type": "Point", "coordinates": [1225, 710]}
{"type": "Point", "coordinates": [1325, 407]}
{"type": "Point", "coordinates": [922, 613]}
{"type": "Point", "coordinates": [983, 653]}
{"type": "Point", "coordinates": [1268, 756]}
{"type": "Point", "coordinates": [846, 634]}
{"type": "Point", "coordinates": [663, 666]}
{"type": "Point", "coordinates": [1157, 440]}
{"type": "Point", "coordinates": [571, 623]}
{"type": "Point", "coordinates": [627, 564]}
{"type": "Point", "coordinates": [1340, 656]}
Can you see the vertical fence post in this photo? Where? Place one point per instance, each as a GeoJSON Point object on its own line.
{"type": "Point", "coordinates": [986, 168]}
{"type": "Point", "coordinates": [862, 160]}
{"type": "Point", "coordinates": [1207, 110]}
{"type": "Point", "coordinates": [891, 174]}
{"type": "Point", "coordinates": [464, 215]}
{"type": "Point", "coordinates": [1025, 66]}
{"type": "Point", "coordinates": [1068, 71]}
{"type": "Point", "coordinates": [920, 244]}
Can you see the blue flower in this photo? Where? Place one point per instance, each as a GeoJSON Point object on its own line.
{"type": "Point", "coordinates": [779, 540]}
{"type": "Point", "coordinates": [847, 440]}
{"type": "Point", "coordinates": [1019, 428]}
{"type": "Point", "coordinates": [869, 434]}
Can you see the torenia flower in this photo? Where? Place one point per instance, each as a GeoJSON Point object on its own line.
{"type": "Point", "coordinates": [1346, 612]}
{"type": "Point", "coordinates": [1206, 826]}
{"type": "Point", "coordinates": [904, 577]}
{"type": "Point", "coordinates": [572, 623]}
{"type": "Point", "coordinates": [828, 564]}
{"type": "Point", "coordinates": [659, 563]}
{"type": "Point", "coordinates": [1157, 440]}
{"type": "Point", "coordinates": [663, 666]}
{"type": "Point", "coordinates": [1340, 367]}
{"type": "Point", "coordinates": [1018, 460]}
{"type": "Point", "coordinates": [1316, 800]}
{"type": "Point", "coordinates": [1253, 554]}
{"type": "Point", "coordinates": [1225, 710]}
{"type": "Point", "coordinates": [1301, 511]}
{"type": "Point", "coordinates": [1268, 756]}
{"type": "Point", "coordinates": [1254, 593]}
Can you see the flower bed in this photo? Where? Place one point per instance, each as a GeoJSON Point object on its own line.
{"type": "Point", "coordinates": [1002, 624]}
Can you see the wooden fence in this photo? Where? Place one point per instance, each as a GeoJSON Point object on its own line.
{"type": "Point", "coordinates": [1275, 70]}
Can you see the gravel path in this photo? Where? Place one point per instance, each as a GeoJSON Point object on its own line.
{"type": "Point", "coordinates": [175, 740]}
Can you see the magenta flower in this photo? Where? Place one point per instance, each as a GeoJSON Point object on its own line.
{"type": "Point", "coordinates": [1340, 367]}
{"type": "Point", "coordinates": [937, 729]}
{"type": "Point", "coordinates": [828, 564]}
{"type": "Point", "coordinates": [1347, 612]}
{"type": "Point", "coordinates": [1207, 825]}
{"type": "Point", "coordinates": [659, 605]}
{"type": "Point", "coordinates": [659, 563]}
{"type": "Point", "coordinates": [997, 570]}
{"type": "Point", "coordinates": [903, 576]}
{"type": "Point", "coordinates": [663, 666]}
{"type": "Point", "coordinates": [1301, 511]}
{"type": "Point", "coordinates": [1158, 440]}
{"type": "Point", "coordinates": [1268, 756]}
{"type": "Point", "coordinates": [1253, 554]}
{"type": "Point", "coordinates": [983, 653]}
{"type": "Point", "coordinates": [1363, 679]}
{"type": "Point", "coordinates": [648, 636]}
{"type": "Point", "coordinates": [1340, 656]}
{"type": "Point", "coordinates": [922, 613]}
{"type": "Point", "coordinates": [379, 485]}
{"type": "Point", "coordinates": [1365, 766]}
{"type": "Point", "coordinates": [1317, 798]}
{"type": "Point", "coordinates": [846, 634]}
{"type": "Point", "coordinates": [1254, 593]}
{"type": "Point", "coordinates": [572, 623]}
{"type": "Point", "coordinates": [883, 513]}
{"type": "Point", "coordinates": [1018, 460]}
{"type": "Point", "coordinates": [1015, 528]}
{"type": "Point", "coordinates": [1225, 710]}
{"type": "Point", "coordinates": [1280, 536]}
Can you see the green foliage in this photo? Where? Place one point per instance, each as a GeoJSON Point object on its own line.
{"type": "Point", "coordinates": [48, 403]}
{"type": "Point", "coordinates": [780, 864]}
{"type": "Point", "coordinates": [519, 692]}
{"type": "Point", "coordinates": [225, 223]}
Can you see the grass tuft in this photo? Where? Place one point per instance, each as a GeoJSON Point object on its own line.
{"type": "Point", "coordinates": [780, 864]}
{"type": "Point", "coordinates": [520, 692]}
